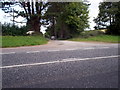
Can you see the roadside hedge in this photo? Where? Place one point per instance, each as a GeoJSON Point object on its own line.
{"type": "Point", "coordinates": [87, 34]}
{"type": "Point", "coordinates": [10, 30]}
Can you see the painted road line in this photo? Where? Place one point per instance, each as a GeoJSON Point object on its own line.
{"type": "Point", "coordinates": [88, 48]}
{"type": "Point", "coordinates": [53, 50]}
{"type": "Point", "coordinates": [70, 49]}
{"type": "Point", "coordinates": [8, 53]}
{"type": "Point", "coordinates": [103, 47]}
{"type": "Point", "coordinates": [33, 52]}
{"type": "Point", "coordinates": [58, 61]}
{"type": "Point", "coordinates": [77, 59]}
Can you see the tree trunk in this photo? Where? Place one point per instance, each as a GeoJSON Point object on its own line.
{"type": "Point", "coordinates": [62, 32]}
{"type": "Point", "coordinates": [110, 20]}
{"type": "Point", "coordinates": [34, 24]}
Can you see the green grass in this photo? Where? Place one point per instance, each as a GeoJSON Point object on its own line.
{"type": "Point", "coordinates": [100, 38]}
{"type": "Point", "coordinates": [16, 41]}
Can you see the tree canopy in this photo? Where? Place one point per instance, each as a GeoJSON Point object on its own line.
{"type": "Point", "coordinates": [67, 19]}
{"type": "Point", "coordinates": [33, 12]}
{"type": "Point", "coordinates": [109, 17]}
{"type": "Point", "coordinates": [64, 19]}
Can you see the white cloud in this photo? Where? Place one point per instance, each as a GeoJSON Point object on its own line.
{"type": "Point", "coordinates": [93, 11]}
{"type": "Point", "coordinates": [3, 17]}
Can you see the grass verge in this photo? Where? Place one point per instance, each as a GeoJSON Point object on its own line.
{"type": "Point", "coordinates": [16, 41]}
{"type": "Point", "coordinates": [100, 38]}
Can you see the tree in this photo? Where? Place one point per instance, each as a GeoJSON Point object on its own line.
{"type": "Point", "coordinates": [33, 12]}
{"type": "Point", "coordinates": [52, 16]}
{"type": "Point", "coordinates": [77, 18]}
{"type": "Point", "coordinates": [67, 19]}
{"type": "Point", "coordinates": [108, 17]}
{"type": "Point", "coordinates": [114, 28]}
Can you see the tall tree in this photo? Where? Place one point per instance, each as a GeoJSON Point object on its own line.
{"type": "Point", "coordinates": [114, 28]}
{"type": "Point", "coordinates": [33, 12]}
{"type": "Point", "coordinates": [54, 17]}
{"type": "Point", "coordinates": [77, 18]}
{"type": "Point", "coordinates": [67, 19]}
{"type": "Point", "coordinates": [106, 16]}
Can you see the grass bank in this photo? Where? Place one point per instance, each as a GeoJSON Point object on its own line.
{"type": "Point", "coordinates": [100, 38]}
{"type": "Point", "coordinates": [16, 41]}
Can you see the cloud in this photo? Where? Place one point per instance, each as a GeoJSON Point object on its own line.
{"type": "Point", "coordinates": [93, 11]}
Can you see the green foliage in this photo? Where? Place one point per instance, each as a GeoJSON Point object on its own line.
{"type": "Point", "coordinates": [15, 41]}
{"type": "Point", "coordinates": [67, 19]}
{"type": "Point", "coordinates": [114, 28]}
{"type": "Point", "coordinates": [32, 11]}
{"type": "Point", "coordinates": [87, 34]}
{"type": "Point", "coordinates": [100, 38]}
{"type": "Point", "coordinates": [107, 12]}
{"type": "Point", "coordinates": [109, 17]}
{"type": "Point", "coordinates": [11, 30]}
{"type": "Point", "coordinates": [77, 16]}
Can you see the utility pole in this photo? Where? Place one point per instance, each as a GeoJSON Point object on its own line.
{"type": "Point", "coordinates": [13, 18]}
{"type": "Point", "coordinates": [54, 29]}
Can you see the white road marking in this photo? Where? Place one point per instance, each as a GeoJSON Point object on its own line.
{"type": "Point", "coordinates": [89, 48]}
{"type": "Point", "coordinates": [8, 53]}
{"type": "Point", "coordinates": [33, 52]}
{"type": "Point", "coordinates": [70, 49]}
{"type": "Point", "coordinates": [58, 61]}
{"type": "Point", "coordinates": [53, 50]}
{"type": "Point", "coordinates": [103, 47]}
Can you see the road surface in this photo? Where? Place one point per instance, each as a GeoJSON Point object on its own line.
{"type": "Point", "coordinates": [61, 64]}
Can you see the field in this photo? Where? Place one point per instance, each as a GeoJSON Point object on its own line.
{"type": "Point", "coordinates": [16, 41]}
{"type": "Point", "coordinates": [99, 38]}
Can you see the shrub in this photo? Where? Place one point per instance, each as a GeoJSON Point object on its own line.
{"type": "Point", "coordinates": [87, 34]}
{"type": "Point", "coordinates": [11, 30]}
{"type": "Point", "coordinates": [113, 30]}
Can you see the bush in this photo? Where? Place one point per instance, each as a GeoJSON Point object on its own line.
{"type": "Point", "coordinates": [11, 30]}
{"type": "Point", "coordinates": [113, 30]}
{"type": "Point", "coordinates": [87, 34]}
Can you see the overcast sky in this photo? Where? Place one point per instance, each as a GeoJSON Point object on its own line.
{"type": "Point", "coordinates": [93, 12]}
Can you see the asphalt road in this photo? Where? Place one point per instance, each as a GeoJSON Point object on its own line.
{"type": "Point", "coordinates": [61, 65]}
